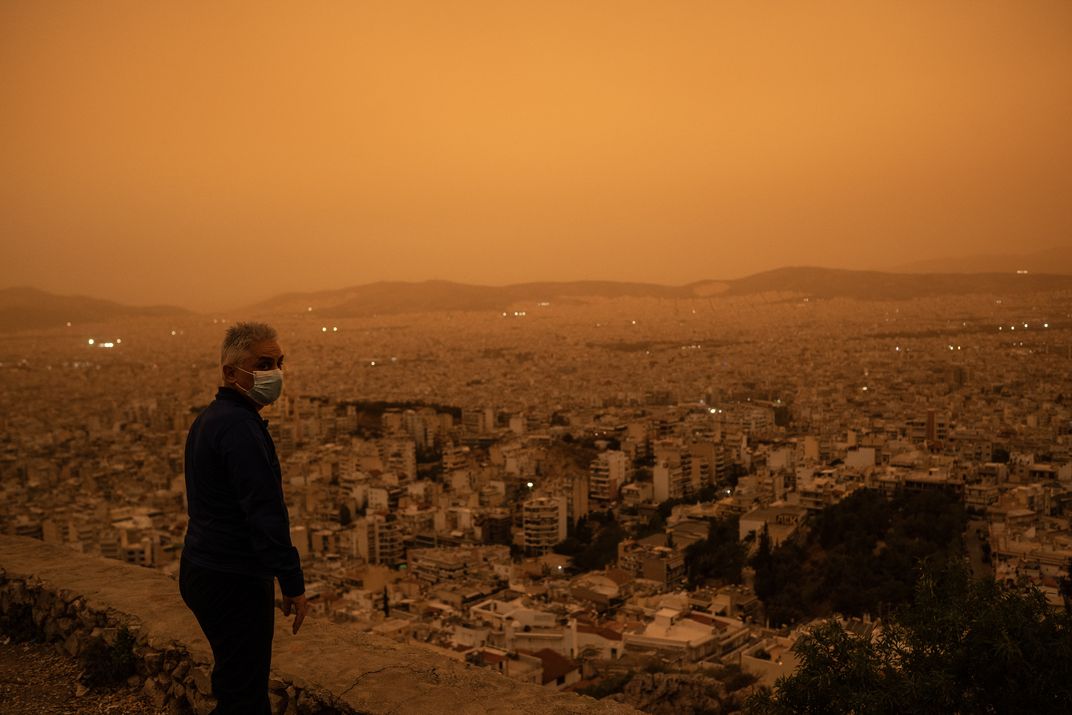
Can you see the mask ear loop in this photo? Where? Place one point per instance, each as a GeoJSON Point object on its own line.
{"type": "Point", "coordinates": [244, 390]}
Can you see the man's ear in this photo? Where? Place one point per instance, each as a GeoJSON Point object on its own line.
{"type": "Point", "coordinates": [228, 374]}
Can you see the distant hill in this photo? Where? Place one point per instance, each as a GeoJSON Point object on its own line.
{"type": "Point", "coordinates": [26, 308]}
{"type": "Point", "coordinates": [29, 308]}
{"type": "Point", "coordinates": [436, 296]}
{"type": "Point", "coordinates": [1054, 260]}
{"type": "Point", "coordinates": [874, 285]}
{"type": "Point", "coordinates": [388, 298]}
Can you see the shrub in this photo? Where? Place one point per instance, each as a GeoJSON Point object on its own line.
{"type": "Point", "coordinates": [108, 665]}
{"type": "Point", "coordinates": [18, 623]}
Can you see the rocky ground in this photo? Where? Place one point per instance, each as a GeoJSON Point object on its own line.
{"type": "Point", "coordinates": [36, 680]}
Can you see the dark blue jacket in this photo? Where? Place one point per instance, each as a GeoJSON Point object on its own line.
{"type": "Point", "coordinates": [234, 489]}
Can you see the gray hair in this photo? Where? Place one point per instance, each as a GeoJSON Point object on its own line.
{"type": "Point", "coordinates": [240, 337]}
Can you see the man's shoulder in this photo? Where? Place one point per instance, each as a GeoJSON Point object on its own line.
{"type": "Point", "coordinates": [223, 414]}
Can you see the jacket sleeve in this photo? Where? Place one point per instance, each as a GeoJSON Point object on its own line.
{"type": "Point", "coordinates": [252, 470]}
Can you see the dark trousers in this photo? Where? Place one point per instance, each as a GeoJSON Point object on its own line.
{"type": "Point", "coordinates": [237, 615]}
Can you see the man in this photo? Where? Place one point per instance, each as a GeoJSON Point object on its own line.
{"type": "Point", "coordinates": [238, 538]}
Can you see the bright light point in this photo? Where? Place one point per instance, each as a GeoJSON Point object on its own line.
{"type": "Point", "coordinates": [91, 341]}
{"type": "Point", "coordinates": [530, 485]}
{"type": "Point", "coordinates": [712, 410]}
{"type": "Point", "coordinates": [68, 323]}
{"type": "Point", "coordinates": [1045, 325]}
{"type": "Point", "coordinates": [118, 340]}
{"type": "Point", "coordinates": [309, 309]}
{"type": "Point", "coordinates": [334, 330]}
{"type": "Point", "coordinates": [634, 322]}
{"type": "Point", "coordinates": [373, 363]}
{"type": "Point", "coordinates": [324, 329]}
{"type": "Point", "coordinates": [1025, 325]}
{"type": "Point", "coordinates": [1012, 327]}
{"type": "Point", "coordinates": [172, 332]}
{"type": "Point", "coordinates": [864, 388]}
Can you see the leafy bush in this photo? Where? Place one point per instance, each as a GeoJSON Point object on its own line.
{"type": "Point", "coordinates": [108, 665]}
{"type": "Point", "coordinates": [607, 686]}
{"type": "Point", "coordinates": [962, 645]}
{"type": "Point", "coordinates": [18, 623]}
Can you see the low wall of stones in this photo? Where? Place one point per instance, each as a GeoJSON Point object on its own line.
{"type": "Point", "coordinates": [77, 601]}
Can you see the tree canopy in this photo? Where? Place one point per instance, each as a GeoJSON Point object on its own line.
{"type": "Point", "coordinates": [960, 646]}
{"type": "Point", "coordinates": [858, 557]}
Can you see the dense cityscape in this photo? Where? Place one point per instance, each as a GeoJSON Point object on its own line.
{"type": "Point", "coordinates": [587, 493]}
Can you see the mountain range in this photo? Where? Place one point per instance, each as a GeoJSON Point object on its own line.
{"type": "Point", "coordinates": [25, 308]}
{"type": "Point", "coordinates": [29, 308]}
{"type": "Point", "coordinates": [1052, 260]}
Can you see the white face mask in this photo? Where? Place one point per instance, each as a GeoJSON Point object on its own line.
{"type": "Point", "coordinates": [267, 385]}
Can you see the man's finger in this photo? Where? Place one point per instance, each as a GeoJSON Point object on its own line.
{"type": "Point", "coordinates": [286, 607]}
{"type": "Point", "coordinates": [299, 616]}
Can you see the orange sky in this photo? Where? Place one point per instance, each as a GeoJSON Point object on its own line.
{"type": "Point", "coordinates": [213, 154]}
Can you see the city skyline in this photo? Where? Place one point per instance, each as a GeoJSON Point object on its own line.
{"type": "Point", "coordinates": [495, 144]}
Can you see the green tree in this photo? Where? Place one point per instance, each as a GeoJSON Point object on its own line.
{"type": "Point", "coordinates": [961, 645]}
{"type": "Point", "coordinates": [857, 557]}
{"type": "Point", "coordinates": [603, 550]}
{"type": "Point", "coordinates": [718, 557]}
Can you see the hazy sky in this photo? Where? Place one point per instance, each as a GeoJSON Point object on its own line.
{"type": "Point", "coordinates": [210, 154]}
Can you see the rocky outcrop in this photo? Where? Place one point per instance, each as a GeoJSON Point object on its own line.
{"type": "Point", "coordinates": [75, 601]}
{"type": "Point", "coordinates": [675, 693]}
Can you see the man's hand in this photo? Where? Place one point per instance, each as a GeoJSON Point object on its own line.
{"type": "Point", "coordinates": [299, 606]}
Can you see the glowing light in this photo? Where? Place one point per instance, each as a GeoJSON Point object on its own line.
{"type": "Point", "coordinates": [530, 485]}
{"type": "Point", "coordinates": [91, 341]}
{"type": "Point", "coordinates": [172, 332]}
{"type": "Point", "coordinates": [634, 322]}
{"type": "Point", "coordinates": [324, 329]}
{"type": "Point", "coordinates": [68, 323]}
{"type": "Point", "coordinates": [372, 364]}
{"type": "Point", "coordinates": [118, 341]}
{"type": "Point", "coordinates": [309, 309]}
{"type": "Point", "coordinates": [334, 329]}
{"type": "Point", "coordinates": [1045, 325]}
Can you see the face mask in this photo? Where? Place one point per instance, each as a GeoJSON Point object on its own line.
{"type": "Point", "coordinates": [267, 385]}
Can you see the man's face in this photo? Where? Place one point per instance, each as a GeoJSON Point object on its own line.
{"type": "Point", "coordinates": [265, 355]}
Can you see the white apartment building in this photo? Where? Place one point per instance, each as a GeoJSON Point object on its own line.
{"type": "Point", "coordinates": [544, 522]}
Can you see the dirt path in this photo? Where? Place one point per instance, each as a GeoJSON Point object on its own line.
{"type": "Point", "coordinates": [36, 680]}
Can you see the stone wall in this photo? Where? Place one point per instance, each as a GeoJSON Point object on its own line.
{"type": "Point", "coordinates": [327, 668]}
